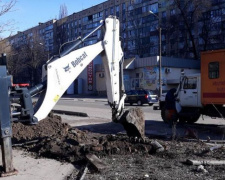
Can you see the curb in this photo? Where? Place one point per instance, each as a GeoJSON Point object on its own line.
{"type": "Point", "coordinates": [70, 113]}
{"type": "Point", "coordinates": [86, 100]}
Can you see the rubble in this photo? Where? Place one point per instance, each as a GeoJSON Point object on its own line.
{"type": "Point", "coordinates": [201, 168]}
{"type": "Point", "coordinates": [205, 162]}
{"type": "Point", "coordinates": [129, 158]}
{"type": "Point", "coordinates": [98, 164]}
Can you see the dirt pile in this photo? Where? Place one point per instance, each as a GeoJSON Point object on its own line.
{"type": "Point", "coordinates": [125, 158]}
{"type": "Point", "coordinates": [53, 139]}
{"type": "Point", "coordinates": [48, 127]}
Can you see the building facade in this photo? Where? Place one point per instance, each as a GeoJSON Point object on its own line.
{"type": "Point", "coordinates": [184, 31]}
{"type": "Point", "coordinates": [43, 33]}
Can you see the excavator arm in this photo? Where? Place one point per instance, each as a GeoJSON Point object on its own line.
{"type": "Point", "coordinates": [60, 72]}
{"type": "Point", "coordinates": [63, 71]}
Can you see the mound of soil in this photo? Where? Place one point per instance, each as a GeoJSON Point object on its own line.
{"type": "Point", "coordinates": [52, 125]}
{"type": "Point", "coordinates": [53, 139]}
{"type": "Point", "coordinates": [125, 158]}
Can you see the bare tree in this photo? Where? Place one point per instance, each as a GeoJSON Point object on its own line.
{"type": "Point", "coordinates": [190, 13]}
{"type": "Point", "coordinates": [6, 7]}
{"type": "Point", "coordinates": [61, 30]}
{"type": "Point", "coordinates": [61, 34]}
{"type": "Point", "coordinates": [210, 27]}
{"type": "Point", "coordinates": [63, 11]}
{"type": "Point", "coordinates": [26, 60]}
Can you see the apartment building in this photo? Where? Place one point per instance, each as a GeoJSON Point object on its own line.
{"type": "Point", "coordinates": [134, 17]}
{"type": "Point", "coordinates": [42, 33]}
{"type": "Point", "coordinates": [136, 25]}
{"type": "Point", "coordinates": [140, 28]}
{"type": "Point", "coordinates": [201, 28]}
{"type": "Point", "coordinates": [140, 22]}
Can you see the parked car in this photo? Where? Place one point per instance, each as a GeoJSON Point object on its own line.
{"type": "Point", "coordinates": [141, 97]}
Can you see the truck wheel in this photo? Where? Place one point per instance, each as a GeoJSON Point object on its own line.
{"type": "Point", "coordinates": [190, 119]}
{"type": "Point", "coordinates": [139, 103]}
{"type": "Point", "coordinates": [193, 118]}
{"type": "Point", "coordinates": [150, 104]}
{"type": "Point", "coordinates": [182, 119]}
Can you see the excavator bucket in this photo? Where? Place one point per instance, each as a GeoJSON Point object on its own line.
{"type": "Point", "coordinates": [133, 122]}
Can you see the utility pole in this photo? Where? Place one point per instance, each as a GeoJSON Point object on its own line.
{"type": "Point", "coordinates": [160, 55]}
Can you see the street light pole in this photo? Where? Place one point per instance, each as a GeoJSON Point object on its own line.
{"type": "Point", "coordinates": [160, 62]}
{"type": "Point", "coordinates": [160, 56]}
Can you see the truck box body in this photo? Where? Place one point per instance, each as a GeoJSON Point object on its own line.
{"type": "Point", "coordinates": [213, 77]}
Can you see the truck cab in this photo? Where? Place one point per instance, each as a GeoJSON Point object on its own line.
{"type": "Point", "coordinates": [189, 94]}
{"type": "Point", "coordinates": [201, 94]}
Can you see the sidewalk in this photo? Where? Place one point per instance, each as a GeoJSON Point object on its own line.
{"type": "Point", "coordinates": [41, 169]}
{"type": "Point", "coordinates": [38, 169]}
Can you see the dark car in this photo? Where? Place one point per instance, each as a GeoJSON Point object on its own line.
{"type": "Point", "coordinates": [141, 97]}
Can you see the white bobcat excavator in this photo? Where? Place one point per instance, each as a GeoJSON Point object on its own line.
{"type": "Point", "coordinates": [58, 73]}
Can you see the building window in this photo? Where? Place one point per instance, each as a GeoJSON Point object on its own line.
{"type": "Point", "coordinates": [164, 14]}
{"type": "Point", "coordinates": [112, 11]}
{"type": "Point", "coordinates": [223, 11]}
{"type": "Point", "coordinates": [216, 13]}
{"type": "Point", "coordinates": [153, 8]}
{"type": "Point", "coordinates": [172, 12]}
{"type": "Point", "coordinates": [213, 69]}
{"type": "Point", "coordinates": [137, 1]}
{"type": "Point", "coordinates": [117, 8]}
{"type": "Point", "coordinates": [144, 9]}
{"type": "Point", "coordinates": [124, 6]}
{"type": "Point", "coordinates": [181, 45]}
{"type": "Point", "coordinates": [130, 7]}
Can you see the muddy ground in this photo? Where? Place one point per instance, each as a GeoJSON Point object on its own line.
{"type": "Point", "coordinates": [122, 157]}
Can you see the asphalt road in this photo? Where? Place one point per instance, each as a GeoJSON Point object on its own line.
{"type": "Point", "coordinates": [99, 119]}
{"type": "Point", "coordinates": [99, 108]}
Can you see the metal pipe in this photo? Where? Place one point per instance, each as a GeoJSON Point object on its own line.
{"type": "Point", "coordinates": [14, 100]}
{"type": "Point", "coordinates": [81, 41]}
{"type": "Point", "coordinates": [38, 88]}
{"type": "Point", "coordinates": [15, 113]}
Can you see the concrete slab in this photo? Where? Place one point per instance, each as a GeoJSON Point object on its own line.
{"type": "Point", "coordinates": [38, 169]}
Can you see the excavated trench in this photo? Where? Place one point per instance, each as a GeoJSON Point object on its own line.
{"type": "Point", "coordinates": [126, 158]}
{"type": "Point", "coordinates": [53, 139]}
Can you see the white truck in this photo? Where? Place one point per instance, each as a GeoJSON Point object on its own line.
{"type": "Point", "coordinates": [200, 94]}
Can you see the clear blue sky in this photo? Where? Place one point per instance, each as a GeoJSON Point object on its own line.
{"type": "Point", "coordinates": [28, 13]}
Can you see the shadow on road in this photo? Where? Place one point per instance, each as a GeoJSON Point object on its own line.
{"type": "Point", "coordinates": [104, 128]}
{"type": "Point", "coordinates": [195, 131]}
{"type": "Point", "coordinates": [158, 129]}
